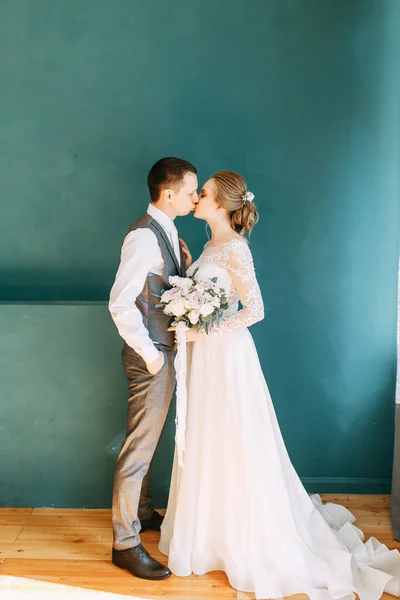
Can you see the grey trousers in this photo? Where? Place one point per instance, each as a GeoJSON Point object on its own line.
{"type": "Point", "coordinates": [148, 404]}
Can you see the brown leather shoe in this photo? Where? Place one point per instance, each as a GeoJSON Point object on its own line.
{"type": "Point", "coordinates": [139, 562]}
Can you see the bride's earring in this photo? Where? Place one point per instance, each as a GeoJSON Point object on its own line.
{"type": "Point", "coordinates": [207, 234]}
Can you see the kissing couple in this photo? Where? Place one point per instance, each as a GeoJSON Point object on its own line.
{"type": "Point", "coordinates": [236, 504]}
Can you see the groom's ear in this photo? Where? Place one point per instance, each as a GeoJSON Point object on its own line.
{"type": "Point", "coordinates": [168, 195]}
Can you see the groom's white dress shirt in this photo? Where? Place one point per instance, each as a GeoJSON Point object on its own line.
{"type": "Point", "coordinates": [140, 255]}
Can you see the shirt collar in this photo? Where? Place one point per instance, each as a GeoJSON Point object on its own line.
{"type": "Point", "coordinates": [164, 220]}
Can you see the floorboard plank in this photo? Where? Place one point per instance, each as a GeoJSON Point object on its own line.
{"type": "Point", "coordinates": [73, 547]}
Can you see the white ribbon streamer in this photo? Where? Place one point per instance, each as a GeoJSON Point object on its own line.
{"type": "Point", "coordinates": [181, 392]}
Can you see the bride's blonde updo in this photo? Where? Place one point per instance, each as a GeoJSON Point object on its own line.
{"type": "Point", "coordinates": [231, 194]}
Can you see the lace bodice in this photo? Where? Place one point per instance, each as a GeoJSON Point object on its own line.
{"type": "Point", "coordinates": [233, 264]}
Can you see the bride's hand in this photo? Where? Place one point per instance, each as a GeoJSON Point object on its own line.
{"type": "Point", "coordinates": [187, 257]}
{"type": "Point", "coordinates": [191, 334]}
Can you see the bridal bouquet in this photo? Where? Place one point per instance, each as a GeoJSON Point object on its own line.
{"type": "Point", "coordinates": [196, 303]}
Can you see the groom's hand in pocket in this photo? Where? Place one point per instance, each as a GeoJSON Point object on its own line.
{"type": "Point", "coordinates": [156, 366]}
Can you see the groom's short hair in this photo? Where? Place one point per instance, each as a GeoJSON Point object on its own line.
{"type": "Point", "coordinates": [167, 173]}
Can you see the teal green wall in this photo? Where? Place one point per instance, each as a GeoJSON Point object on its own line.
{"type": "Point", "coordinates": [300, 97]}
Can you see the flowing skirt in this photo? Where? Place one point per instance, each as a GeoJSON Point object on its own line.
{"type": "Point", "coordinates": [238, 504]}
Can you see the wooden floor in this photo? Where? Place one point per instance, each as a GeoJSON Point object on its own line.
{"type": "Point", "coordinates": [73, 547]}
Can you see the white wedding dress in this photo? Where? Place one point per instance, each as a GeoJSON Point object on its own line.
{"type": "Point", "coordinates": [238, 505]}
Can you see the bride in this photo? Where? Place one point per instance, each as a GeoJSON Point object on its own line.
{"type": "Point", "coordinates": [237, 505]}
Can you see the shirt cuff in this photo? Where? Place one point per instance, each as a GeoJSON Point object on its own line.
{"type": "Point", "coordinates": [149, 354]}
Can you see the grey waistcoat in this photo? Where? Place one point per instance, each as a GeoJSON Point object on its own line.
{"type": "Point", "coordinates": [155, 321]}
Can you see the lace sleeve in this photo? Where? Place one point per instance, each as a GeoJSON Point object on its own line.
{"type": "Point", "coordinates": [240, 266]}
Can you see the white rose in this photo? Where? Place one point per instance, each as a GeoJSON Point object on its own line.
{"type": "Point", "coordinates": [184, 283]}
{"type": "Point", "coordinates": [194, 316]}
{"type": "Point", "coordinates": [167, 310]}
{"type": "Point", "coordinates": [172, 294]}
{"type": "Point", "coordinates": [216, 302]}
{"type": "Point", "coordinates": [207, 309]}
{"type": "Point", "coordinates": [199, 287]}
{"type": "Point", "coordinates": [177, 307]}
{"type": "Point", "coordinates": [195, 300]}
{"type": "Point", "coordinates": [205, 282]}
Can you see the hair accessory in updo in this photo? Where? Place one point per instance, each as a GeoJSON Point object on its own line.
{"type": "Point", "coordinates": [248, 197]}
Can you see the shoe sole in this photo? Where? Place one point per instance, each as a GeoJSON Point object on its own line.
{"type": "Point", "coordinates": [141, 577]}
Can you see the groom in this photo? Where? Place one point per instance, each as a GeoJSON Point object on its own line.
{"type": "Point", "coordinates": [150, 254]}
